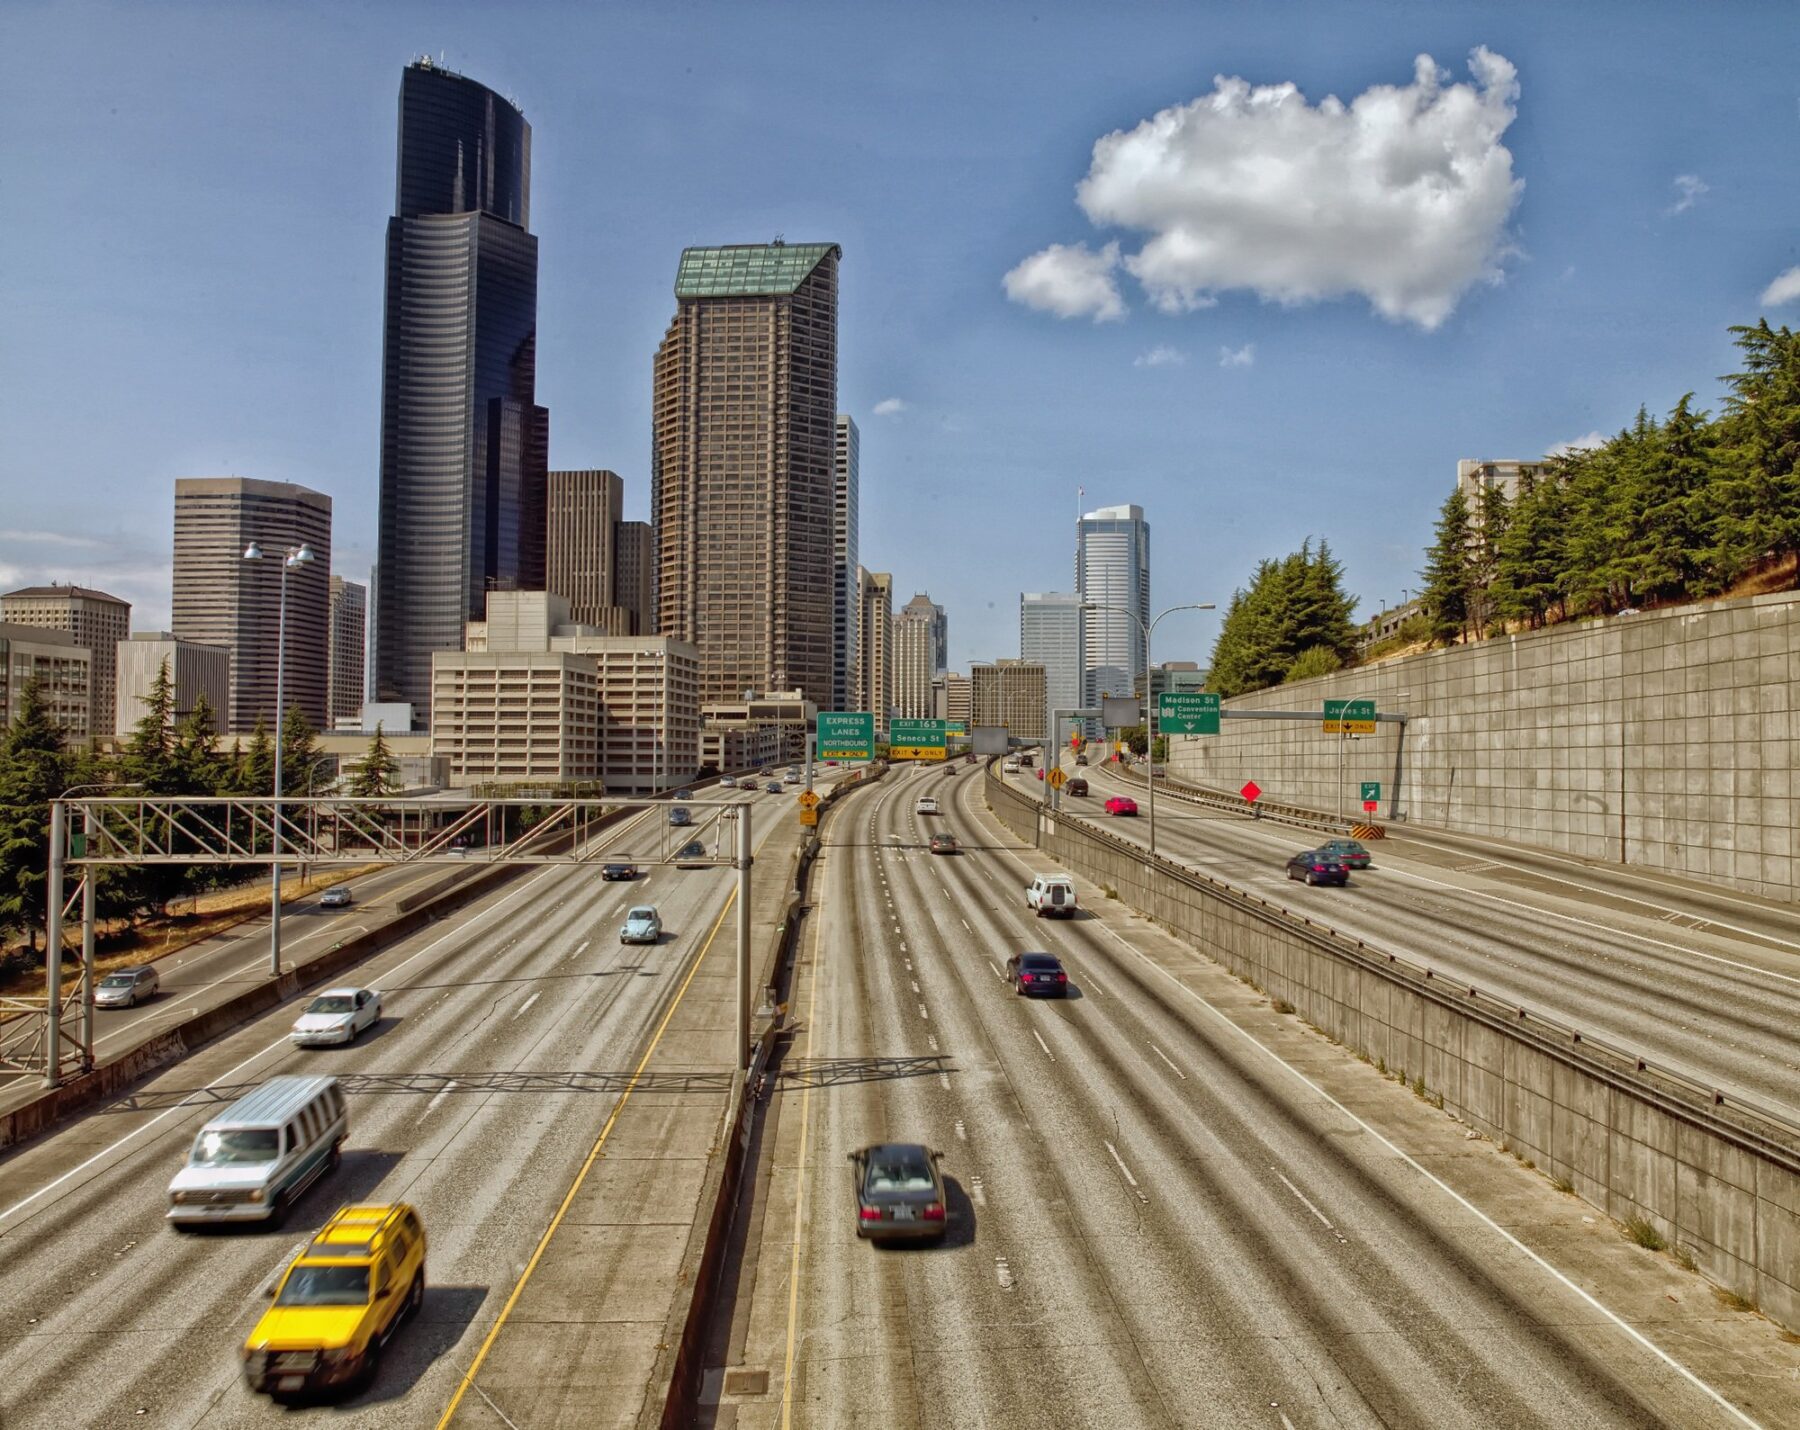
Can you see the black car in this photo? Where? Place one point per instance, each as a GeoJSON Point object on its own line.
{"type": "Point", "coordinates": [692, 855]}
{"type": "Point", "coordinates": [1036, 975]}
{"type": "Point", "coordinates": [680, 818]}
{"type": "Point", "coordinates": [1316, 866]}
{"type": "Point", "coordinates": [772, 787]}
{"type": "Point", "coordinates": [899, 1193]}
{"type": "Point", "coordinates": [618, 871]}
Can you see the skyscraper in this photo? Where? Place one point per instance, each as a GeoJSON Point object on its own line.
{"type": "Point", "coordinates": [845, 588]}
{"type": "Point", "coordinates": [95, 619]}
{"type": "Point", "coordinates": [349, 634]}
{"type": "Point", "coordinates": [1052, 632]}
{"type": "Point", "coordinates": [463, 444]}
{"type": "Point", "coordinates": [874, 657]}
{"type": "Point", "coordinates": [1112, 568]}
{"type": "Point", "coordinates": [223, 600]}
{"type": "Point", "coordinates": [921, 651]}
{"type": "Point", "coordinates": [580, 550]}
{"type": "Point", "coordinates": [742, 456]}
{"type": "Point", "coordinates": [634, 584]}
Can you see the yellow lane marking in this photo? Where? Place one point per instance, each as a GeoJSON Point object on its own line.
{"type": "Point", "coordinates": [787, 1374]}
{"type": "Point", "coordinates": [468, 1377]}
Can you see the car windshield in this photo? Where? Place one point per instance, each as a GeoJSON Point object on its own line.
{"type": "Point", "coordinates": [332, 1003]}
{"type": "Point", "coordinates": [118, 980]}
{"type": "Point", "coordinates": [898, 1174]}
{"type": "Point", "coordinates": [231, 1149]}
{"type": "Point", "coordinates": [641, 915]}
{"type": "Point", "coordinates": [1042, 962]}
{"type": "Point", "coordinates": [325, 1286]}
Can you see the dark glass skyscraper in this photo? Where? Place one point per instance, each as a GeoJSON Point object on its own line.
{"type": "Point", "coordinates": [464, 447]}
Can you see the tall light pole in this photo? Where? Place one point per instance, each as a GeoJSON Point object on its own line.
{"type": "Point", "coordinates": [300, 555]}
{"type": "Point", "coordinates": [1150, 697]}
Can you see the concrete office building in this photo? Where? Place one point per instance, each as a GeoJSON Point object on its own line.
{"type": "Point", "coordinates": [756, 732]}
{"type": "Point", "coordinates": [845, 588]}
{"type": "Point", "coordinates": [953, 698]}
{"type": "Point", "coordinates": [1173, 677]}
{"type": "Point", "coordinates": [349, 640]}
{"type": "Point", "coordinates": [515, 717]}
{"type": "Point", "coordinates": [463, 443]}
{"type": "Point", "coordinates": [221, 599]}
{"type": "Point", "coordinates": [1112, 569]}
{"type": "Point", "coordinates": [921, 651]}
{"type": "Point", "coordinates": [874, 647]}
{"type": "Point", "coordinates": [1053, 633]}
{"type": "Point", "coordinates": [580, 546]}
{"type": "Point", "coordinates": [95, 619]}
{"type": "Point", "coordinates": [743, 444]}
{"type": "Point", "coordinates": [1475, 477]}
{"type": "Point", "coordinates": [1009, 693]}
{"type": "Point", "coordinates": [634, 586]}
{"type": "Point", "coordinates": [195, 670]}
{"type": "Point", "coordinates": [63, 668]}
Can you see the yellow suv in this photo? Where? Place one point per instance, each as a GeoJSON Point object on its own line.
{"type": "Point", "coordinates": [339, 1303]}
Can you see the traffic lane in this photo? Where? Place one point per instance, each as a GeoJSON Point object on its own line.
{"type": "Point", "coordinates": [461, 1153]}
{"type": "Point", "coordinates": [1689, 1010]}
{"type": "Point", "coordinates": [948, 1336]}
{"type": "Point", "coordinates": [1427, 1313]}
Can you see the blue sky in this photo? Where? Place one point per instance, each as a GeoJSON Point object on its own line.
{"type": "Point", "coordinates": [193, 198]}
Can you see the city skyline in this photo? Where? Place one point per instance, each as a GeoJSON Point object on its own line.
{"type": "Point", "coordinates": [1175, 390]}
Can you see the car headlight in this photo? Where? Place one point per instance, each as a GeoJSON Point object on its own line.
{"type": "Point", "coordinates": [337, 1355]}
{"type": "Point", "coordinates": [256, 1196]}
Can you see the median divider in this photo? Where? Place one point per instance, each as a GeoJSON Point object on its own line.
{"type": "Point", "coordinates": [683, 1363]}
{"type": "Point", "coordinates": [1715, 1175]}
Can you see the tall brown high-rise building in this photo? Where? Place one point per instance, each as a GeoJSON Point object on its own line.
{"type": "Point", "coordinates": [634, 575]}
{"type": "Point", "coordinates": [874, 684]}
{"type": "Point", "coordinates": [349, 643]}
{"type": "Point", "coordinates": [742, 466]}
{"type": "Point", "coordinates": [580, 556]}
{"type": "Point", "coordinates": [96, 620]}
{"type": "Point", "coordinates": [221, 599]}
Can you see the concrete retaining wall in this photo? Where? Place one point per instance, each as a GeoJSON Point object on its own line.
{"type": "Point", "coordinates": [1718, 1180]}
{"type": "Point", "coordinates": [1665, 739]}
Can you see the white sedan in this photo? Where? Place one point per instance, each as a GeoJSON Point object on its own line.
{"type": "Point", "coordinates": [336, 1016]}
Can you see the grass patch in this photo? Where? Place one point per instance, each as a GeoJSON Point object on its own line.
{"type": "Point", "coordinates": [1281, 1005]}
{"type": "Point", "coordinates": [1640, 1230]}
{"type": "Point", "coordinates": [1109, 891]}
{"type": "Point", "coordinates": [1418, 1086]}
{"type": "Point", "coordinates": [1564, 1185]}
{"type": "Point", "coordinates": [1683, 1257]}
{"type": "Point", "coordinates": [1731, 1301]}
{"type": "Point", "coordinates": [1381, 1066]}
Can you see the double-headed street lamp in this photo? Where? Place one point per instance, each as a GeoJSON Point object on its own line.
{"type": "Point", "coordinates": [301, 555]}
{"type": "Point", "coordinates": [1150, 697]}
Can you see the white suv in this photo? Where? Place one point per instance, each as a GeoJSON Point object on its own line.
{"type": "Point", "coordinates": [926, 805]}
{"type": "Point", "coordinates": [1049, 894]}
{"type": "Point", "coordinates": [1011, 767]}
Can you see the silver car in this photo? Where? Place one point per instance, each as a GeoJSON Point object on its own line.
{"type": "Point", "coordinates": [642, 925]}
{"type": "Point", "coordinates": [899, 1193]}
{"type": "Point", "coordinates": [336, 1016]}
{"type": "Point", "coordinates": [126, 987]}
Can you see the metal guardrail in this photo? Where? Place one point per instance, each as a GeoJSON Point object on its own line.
{"type": "Point", "coordinates": [1168, 787]}
{"type": "Point", "coordinates": [1766, 1131]}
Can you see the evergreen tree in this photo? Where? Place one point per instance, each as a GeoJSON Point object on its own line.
{"type": "Point", "coordinates": [256, 771]}
{"type": "Point", "coordinates": [1314, 660]}
{"type": "Point", "coordinates": [199, 767]}
{"type": "Point", "coordinates": [375, 777]}
{"type": "Point", "coordinates": [1492, 516]}
{"type": "Point", "coordinates": [1291, 606]}
{"type": "Point", "coordinates": [1446, 596]}
{"type": "Point", "coordinates": [149, 754]}
{"type": "Point", "coordinates": [1529, 555]}
{"type": "Point", "coordinates": [299, 750]}
{"type": "Point", "coordinates": [1676, 509]}
{"type": "Point", "coordinates": [34, 769]}
{"type": "Point", "coordinates": [1758, 506]}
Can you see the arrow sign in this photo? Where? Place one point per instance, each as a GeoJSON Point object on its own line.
{"type": "Point", "coordinates": [1187, 712]}
{"type": "Point", "coordinates": [1371, 792]}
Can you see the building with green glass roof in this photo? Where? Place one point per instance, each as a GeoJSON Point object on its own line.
{"type": "Point", "coordinates": [749, 270]}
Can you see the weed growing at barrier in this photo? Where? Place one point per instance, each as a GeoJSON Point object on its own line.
{"type": "Point", "coordinates": [1683, 1257]}
{"type": "Point", "coordinates": [1641, 1230]}
{"type": "Point", "coordinates": [1731, 1301]}
{"type": "Point", "coordinates": [1281, 1005]}
{"type": "Point", "coordinates": [1564, 1185]}
{"type": "Point", "coordinates": [1109, 891]}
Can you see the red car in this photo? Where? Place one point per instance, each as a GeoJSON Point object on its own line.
{"type": "Point", "coordinates": [1121, 804]}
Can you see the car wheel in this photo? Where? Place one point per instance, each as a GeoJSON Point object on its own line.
{"type": "Point", "coordinates": [415, 1298]}
{"type": "Point", "coordinates": [365, 1377]}
{"type": "Point", "coordinates": [278, 1214]}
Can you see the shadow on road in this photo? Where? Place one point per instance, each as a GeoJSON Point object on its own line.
{"type": "Point", "coordinates": [430, 1084]}
{"type": "Point", "coordinates": [835, 1072]}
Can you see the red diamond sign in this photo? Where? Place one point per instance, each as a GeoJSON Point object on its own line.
{"type": "Point", "coordinates": [1251, 791]}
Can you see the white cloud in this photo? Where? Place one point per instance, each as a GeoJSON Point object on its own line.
{"type": "Point", "coordinates": [1238, 357]}
{"type": "Point", "coordinates": [127, 565]}
{"type": "Point", "coordinates": [1162, 355]}
{"type": "Point", "coordinates": [890, 407]}
{"type": "Point", "coordinates": [1586, 442]}
{"type": "Point", "coordinates": [1689, 190]}
{"type": "Point", "coordinates": [1069, 281]}
{"type": "Point", "coordinates": [1401, 195]}
{"type": "Point", "coordinates": [51, 538]}
{"type": "Point", "coordinates": [1784, 289]}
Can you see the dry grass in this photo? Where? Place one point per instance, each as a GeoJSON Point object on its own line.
{"type": "Point", "coordinates": [1644, 1233]}
{"type": "Point", "coordinates": [1731, 1301]}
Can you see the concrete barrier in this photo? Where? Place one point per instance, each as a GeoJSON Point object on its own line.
{"type": "Point", "coordinates": [1718, 1178]}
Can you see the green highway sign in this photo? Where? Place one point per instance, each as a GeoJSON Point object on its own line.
{"type": "Point", "coordinates": [1371, 791]}
{"type": "Point", "coordinates": [1187, 712]}
{"type": "Point", "coordinates": [846, 735]}
{"type": "Point", "coordinates": [916, 739]}
{"type": "Point", "coordinates": [1349, 717]}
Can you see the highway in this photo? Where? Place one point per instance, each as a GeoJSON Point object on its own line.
{"type": "Point", "coordinates": [1705, 982]}
{"type": "Point", "coordinates": [507, 1038]}
{"type": "Point", "coordinates": [1156, 1222]}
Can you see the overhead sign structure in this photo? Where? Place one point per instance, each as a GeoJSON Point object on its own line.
{"type": "Point", "coordinates": [846, 735]}
{"type": "Point", "coordinates": [1119, 711]}
{"type": "Point", "coordinates": [1349, 717]}
{"type": "Point", "coordinates": [917, 739]}
{"type": "Point", "coordinates": [1187, 712]}
{"type": "Point", "coordinates": [1251, 791]}
{"type": "Point", "coordinates": [1371, 791]}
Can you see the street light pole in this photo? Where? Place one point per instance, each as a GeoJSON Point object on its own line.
{"type": "Point", "coordinates": [295, 556]}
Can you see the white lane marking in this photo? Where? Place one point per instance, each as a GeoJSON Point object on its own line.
{"type": "Point", "coordinates": [997, 973]}
{"type": "Point", "coordinates": [1165, 1057]}
{"type": "Point", "coordinates": [1003, 1273]}
{"type": "Point", "coordinates": [962, 1133]}
{"type": "Point", "coordinates": [977, 1192]}
{"type": "Point", "coordinates": [188, 1103]}
{"type": "Point", "coordinates": [944, 1081]}
{"type": "Point", "coordinates": [932, 1039]}
{"type": "Point", "coordinates": [1304, 1202]}
{"type": "Point", "coordinates": [1285, 1422]}
{"type": "Point", "coordinates": [1042, 1044]}
{"type": "Point", "coordinates": [1619, 932]}
{"type": "Point", "coordinates": [1090, 981]}
{"type": "Point", "coordinates": [965, 924]}
{"type": "Point", "coordinates": [923, 1014]}
{"type": "Point", "coordinates": [1127, 1171]}
{"type": "Point", "coordinates": [915, 985]}
{"type": "Point", "coordinates": [528, 1002]}
{"type": "Point", "coordinates": [437, 1101]}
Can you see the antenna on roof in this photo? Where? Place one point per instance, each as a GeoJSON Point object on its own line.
{"type": "Point", "coordinates": [780, 241]}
